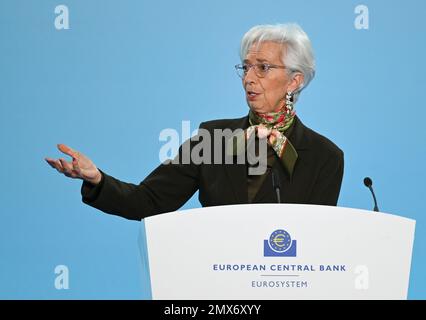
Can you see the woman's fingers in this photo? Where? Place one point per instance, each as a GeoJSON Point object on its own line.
{"type": "Point", "coordinates": [67, 150]}
{"type": "Point", "coordinates": [55, 164]}
{"type": "Point", "coordinates": [76, 167]}
{"type": "Point", "coordinates": [72, 169]}
{"type": "Point", "coordinates": [50, 162]}
{"type": "Point", "coordinates": [68, 169]}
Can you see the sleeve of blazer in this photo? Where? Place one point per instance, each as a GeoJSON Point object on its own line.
{"type": "Point", "coordinates": [327, 188]}
{"type": "Point", "coordinates": [165, 189]}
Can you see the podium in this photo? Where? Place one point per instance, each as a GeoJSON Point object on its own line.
{"type": "Point", "coordinates": [277, 251]}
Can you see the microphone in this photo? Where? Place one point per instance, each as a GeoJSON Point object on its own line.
{"type": "Point", "coordinates": [276, 185]}
{"type": "Point", "coordinates": [368, 183]}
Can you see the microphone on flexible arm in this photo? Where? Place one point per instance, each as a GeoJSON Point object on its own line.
{"type": "Point", "coordinates": [276, 184]}
{"type": "Point", "coordinates": [368, 183]}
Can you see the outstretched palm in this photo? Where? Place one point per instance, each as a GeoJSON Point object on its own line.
{"type": "Point", "coordinates": [81, 167]}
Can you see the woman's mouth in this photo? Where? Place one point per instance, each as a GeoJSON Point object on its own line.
{"type": "Point", "coordinates": [251, 95]}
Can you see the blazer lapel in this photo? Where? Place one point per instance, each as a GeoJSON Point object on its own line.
{"type": "Point", "coordinates": [297, 136]}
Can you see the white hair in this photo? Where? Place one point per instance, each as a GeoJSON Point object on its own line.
{"type": "Point", "coordinates": [298, 55]}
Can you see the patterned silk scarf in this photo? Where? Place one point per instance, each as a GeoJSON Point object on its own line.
{"type": "Point", "coordinates": [273, 126]}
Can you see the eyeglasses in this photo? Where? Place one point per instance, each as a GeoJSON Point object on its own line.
{"type": "Point", "coordinates": [261, 69]}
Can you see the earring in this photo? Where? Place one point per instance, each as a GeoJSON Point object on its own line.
{"type": "Point", "coordinates": [289, 98]}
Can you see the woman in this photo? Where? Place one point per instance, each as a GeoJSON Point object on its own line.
{"type": "Point", "coordinates": [277, 63]}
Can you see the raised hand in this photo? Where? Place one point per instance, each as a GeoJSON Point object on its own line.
{"type": "Point", "coordinates": [80, 167]}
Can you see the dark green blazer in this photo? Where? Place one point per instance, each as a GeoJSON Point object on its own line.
{"type": "Point", "coordinates": [316, 179]}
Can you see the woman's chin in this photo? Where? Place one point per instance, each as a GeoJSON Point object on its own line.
{"type": "Point", "coordinates": [257, 108]}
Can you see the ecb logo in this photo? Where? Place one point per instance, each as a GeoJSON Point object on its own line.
{"type": "Point", "coordinates": [279, 244]}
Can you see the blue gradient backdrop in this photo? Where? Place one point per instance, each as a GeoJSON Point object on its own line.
{"type": "Point", "coordinates": [125, 70]}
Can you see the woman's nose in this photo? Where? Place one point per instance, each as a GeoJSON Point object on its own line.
{"type": "Point", "coordinates": [250, 76]}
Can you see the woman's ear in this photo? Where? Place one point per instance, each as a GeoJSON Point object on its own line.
{"type": "Point", "coordinates": [296, 82]}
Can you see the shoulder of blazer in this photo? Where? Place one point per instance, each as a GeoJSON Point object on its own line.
{"type": "Point", "coordinates": [306, 138]}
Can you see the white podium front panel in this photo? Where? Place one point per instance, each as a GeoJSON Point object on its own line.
{"type": "Point", "coordinates": [279, 251]}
